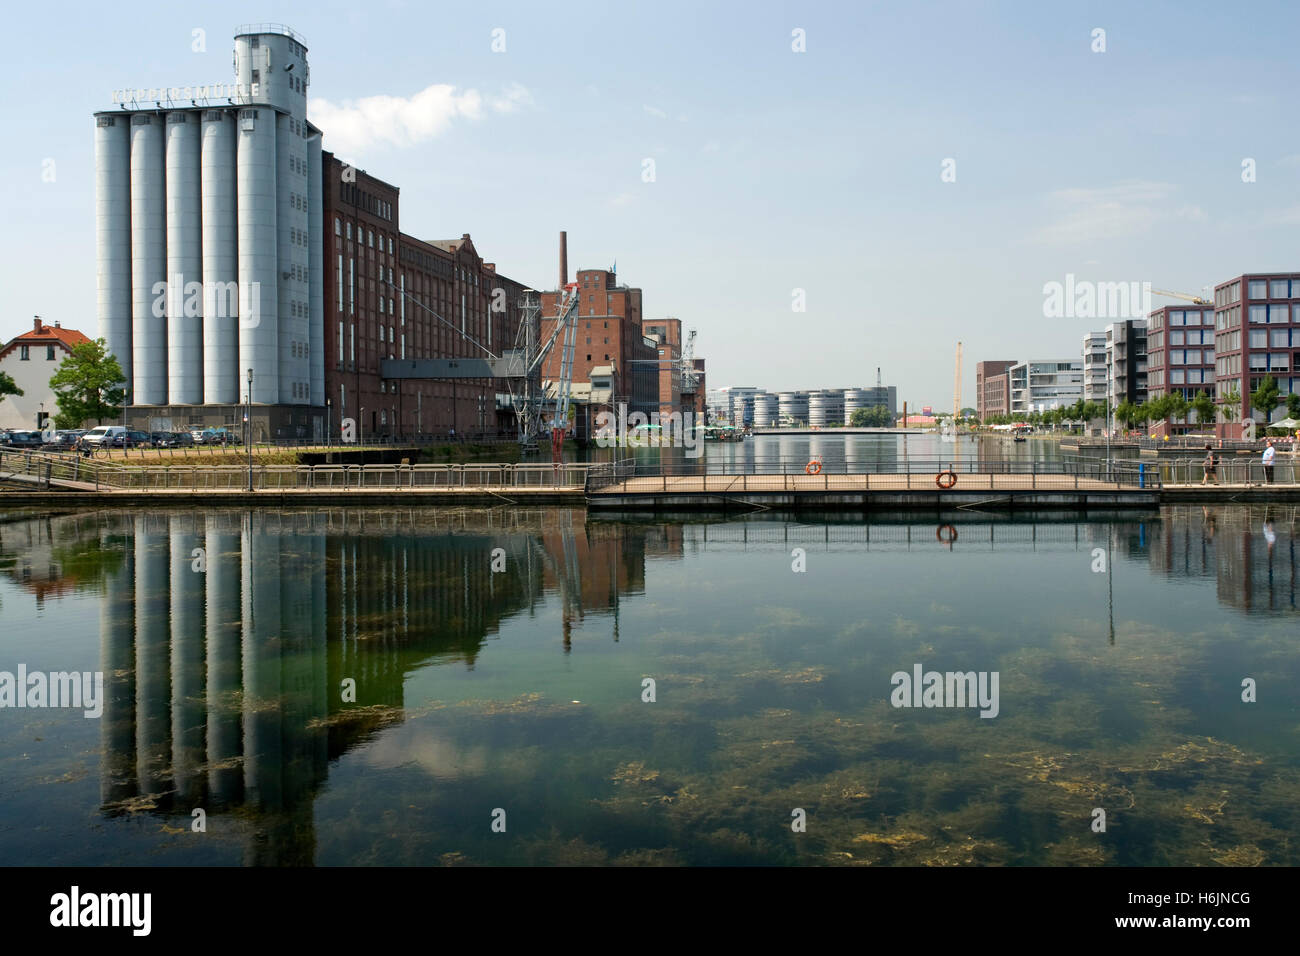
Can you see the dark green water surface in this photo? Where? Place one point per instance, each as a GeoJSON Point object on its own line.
{"type": "Point", "coordinates": [228, 640]}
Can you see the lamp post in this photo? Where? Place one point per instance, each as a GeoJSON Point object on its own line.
{"type": "Point", "coordinates": [361, 429]}
{"type": "Point", "coordinates": [329, 422]}
{"type": "Point", "coordinates": [248, 428]}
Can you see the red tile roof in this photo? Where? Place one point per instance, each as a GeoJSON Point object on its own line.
{"type": "Point", "coordinates": [42, 334]}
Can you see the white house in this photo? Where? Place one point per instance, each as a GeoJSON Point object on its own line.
{"type": "Point", "coordinates": [31, 359]}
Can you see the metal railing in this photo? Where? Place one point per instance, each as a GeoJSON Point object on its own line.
{"type": "Point", "coordinates": [784, 473]}
{"type": "Point", "coordinates": [1229, 471]}
{"type": "Point", "coordinates": [103, 474]}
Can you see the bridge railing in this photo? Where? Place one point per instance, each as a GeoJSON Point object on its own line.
{"type": "Point", "coordinates": [1231, 470]}
{"type": "Point", "coordinates": [107, 475]}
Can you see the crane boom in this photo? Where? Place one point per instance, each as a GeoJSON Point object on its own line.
{"type": "Point", "coordinates": [1198, 300]}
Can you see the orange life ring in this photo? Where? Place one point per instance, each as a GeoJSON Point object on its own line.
{"type": "Point", "coordinates": [951, 477]}
{"type": "Point", "coordinates": [938, 533]}
{"type": "Point", "coordinates": [813, 467]}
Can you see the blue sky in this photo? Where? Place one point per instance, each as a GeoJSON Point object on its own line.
{"type": "Point", "coordinates": [774, 170]}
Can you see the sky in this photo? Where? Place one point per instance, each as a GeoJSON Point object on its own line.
{"type": "Point", "coordinates": [912, 177]}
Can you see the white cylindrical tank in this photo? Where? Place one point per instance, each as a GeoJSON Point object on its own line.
{"type": "Point", "coordinates": [258, 258]}
{"type": "Point", "coordinates": [113, 234]}
{"type": "Point", "coordinates": [220, 267]}
{"type": "Point", "coordinates": [765, 410]}
{"type": "Point", "coordinates": [148, 261]}
{"type": "Point", "coordinates": [184, 260]}
{"type": "Point", "coordinates": [316, 272]}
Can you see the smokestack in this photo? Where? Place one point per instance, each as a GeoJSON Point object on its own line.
{"type": "Point", "coordinates": [564, 259]}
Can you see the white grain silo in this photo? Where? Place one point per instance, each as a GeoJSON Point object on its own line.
{"type": "Point", "coordinates": [148, 261]}
{"type": "Point", "coordinates": [258, 258]}
{"type": "Point", "coordinates": [184, 259]}
{"type": "Point", "coordinates": [316, 271]}
{"type": "Point", "coordinates": [113, 234]}
{"type": "Point", "coordinates": [220, 266]}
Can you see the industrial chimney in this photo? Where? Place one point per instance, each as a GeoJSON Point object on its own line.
{"type": "Point", "coordinates": [564, 259]}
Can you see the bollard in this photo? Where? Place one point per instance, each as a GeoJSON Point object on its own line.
{"type": "Point", "coordinates": [1142, 474]}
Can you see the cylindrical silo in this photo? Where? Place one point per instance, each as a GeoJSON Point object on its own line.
{"type": "Point", "coordinates": [148, 261]}
{"type": "Point", "coordinates": [291, 249]}
{"type": "Point", "coordinates": [184, 260]}
{"type": "Point", "coordinates": [765, 410]}
{"type": "Point", "coordinates": [113, 234]}
{"type": "Point", "coordinates": [258, 260]}
{"type": "Point", "coordinates": [220, 267]}
{"type": "Point", "coordinates": [316, 272]}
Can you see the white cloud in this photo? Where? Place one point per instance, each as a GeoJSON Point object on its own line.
{"type": "Point", "coordinates": [656, 112]}
{"type": "Point", "coordinates": [355, 125]}
{"type": "Point", "coordinates": [1110, 212]}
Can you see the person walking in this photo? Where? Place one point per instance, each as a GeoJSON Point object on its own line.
{"type": "Point", "coordinates": [1211, 464]}
{"type": "Point", "coordinates": [1269, 454]}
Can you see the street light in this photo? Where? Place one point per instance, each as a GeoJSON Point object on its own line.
{"type": "Point", "coordinates": [248, 428]}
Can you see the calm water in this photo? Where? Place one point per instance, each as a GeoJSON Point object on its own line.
{"type": "Point", "coordinates": [522, 689]}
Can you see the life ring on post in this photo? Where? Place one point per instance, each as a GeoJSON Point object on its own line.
{"type": "Point", "coordinates": [952, 536]}
{"type": "Point", "coordinates": [814, 467]}
{"type": "Point", "coordinates": [945, 479]}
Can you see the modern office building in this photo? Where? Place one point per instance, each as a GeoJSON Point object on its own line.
{"type": "Point", "coordinates": [1257, 333]}
{"type": "Point", "coordinates": [1126, 361]}
{"type": "Point", "coordinates": [1043, 384]}
{"type": "Point", "coordinates": [1094, 367]}
{"type": "Point", "coordinates": [992, 388]}
{"type": "Point", "coordinates": [1180, 358]}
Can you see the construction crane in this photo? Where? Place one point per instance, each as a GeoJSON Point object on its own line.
{"type": "Point", "coordinates": [689, 376]}
{"type": "Point", "coordinates": [1196, 299]}
{"type": "Point", "coordinates": [956, 387]}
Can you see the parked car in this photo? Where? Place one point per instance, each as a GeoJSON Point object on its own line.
{"type": "Point", "coordinates": [105, 435]}
{"type": "Point", "coordinates": [172, 439]}
{"type": "Point", "coordinates": [65, 440]}
{"type": "Point", "coordinates": [216, 436]}
{"type": "Point", "coordinates": [26, 440]}
{"type": "Point", "coordinates": [134, 439]}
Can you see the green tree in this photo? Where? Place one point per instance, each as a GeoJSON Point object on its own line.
{"type": "Point", "coordinates": [8, 386]}
{"type": "Point", "coordinates": [1231, 405]}
{"type": "Point", "coordinates": [875, 417]}
{"type": "Point", "coordinates": [1266, 398]}
{"type": "Point", "coordinates": [1293, 405]}
{"type": "Point", "coordinates": [87, 384]}
{"type": "Point", "coordinates": [1203, 405]}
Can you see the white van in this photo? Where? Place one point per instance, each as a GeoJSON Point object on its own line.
{"type": "Point", "coordinates": [103, 435]}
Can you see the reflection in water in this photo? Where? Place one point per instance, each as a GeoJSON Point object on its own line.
{"type": "Point", "coordinates": [226, 639]}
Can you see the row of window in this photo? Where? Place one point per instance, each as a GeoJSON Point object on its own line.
{"type": "Point", "coordinates": [25, 353]}
{"type": "Point", "coordinates": [350, 195]}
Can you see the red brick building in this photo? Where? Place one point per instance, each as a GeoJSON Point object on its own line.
{"type": "Point", "coordinates": [992, 389]}
{"type": "Point", "coordinates": [609, 332]}
{"type": "Point", "coordinates": [390, 295]}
